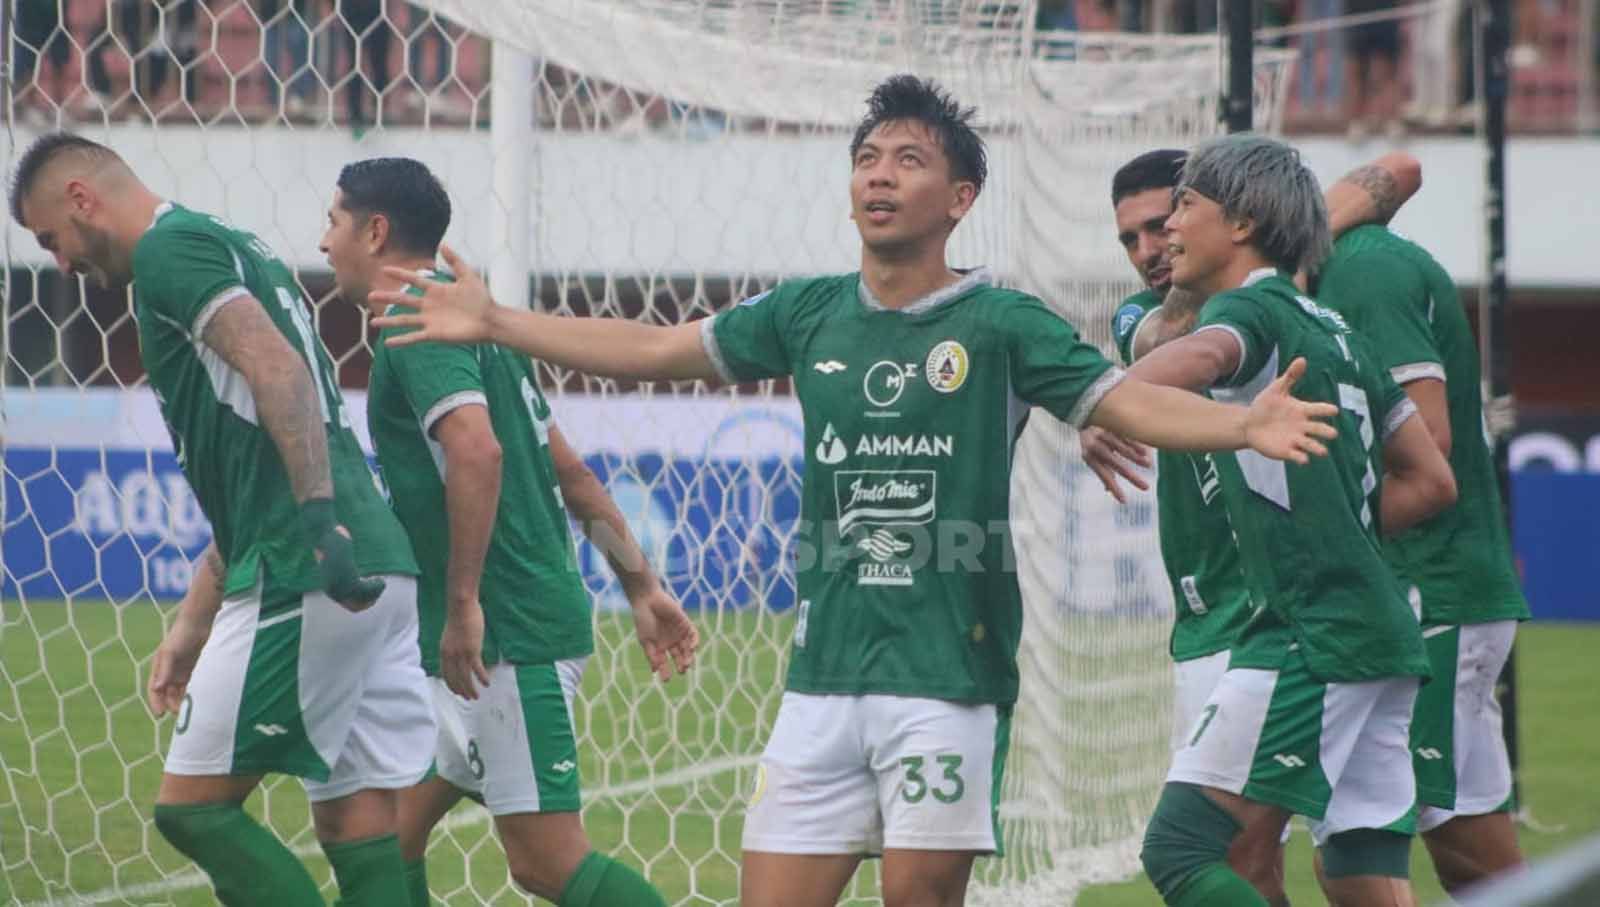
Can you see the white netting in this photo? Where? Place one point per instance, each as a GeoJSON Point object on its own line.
{"type": "Point", "coordinates": [685, 153]}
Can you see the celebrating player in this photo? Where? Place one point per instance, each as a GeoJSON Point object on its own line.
{"type": "Point", "coordinates": [1395, 293]}
{"type": "Point", "coordinates": [282, 657]}
{"type": "Point", "coordinates": [914, 379]}
{"type": "Point", "coordinates": [482, 480]}
{"type": "Point", "coordinates": [1311, 715]}
{"type": "Point", "coordinates": [1197, 547]}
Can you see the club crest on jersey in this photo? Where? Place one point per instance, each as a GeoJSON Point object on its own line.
{"type": "Point", "coordinates": [947, 367]}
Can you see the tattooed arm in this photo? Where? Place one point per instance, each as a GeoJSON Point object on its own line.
{"type": "Point", "coordinates": [285, 395]}
{"type": "Point", "coordinates": [1174, 319]}
{"type": "Point", "coordinates": [283, 389]}
{"type": "Point", "coordinates": [1372, 193]}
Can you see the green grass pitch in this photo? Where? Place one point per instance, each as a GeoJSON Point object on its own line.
{"type": "Point", "coordinates": [80, 758]}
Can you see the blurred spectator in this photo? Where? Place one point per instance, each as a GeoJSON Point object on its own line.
{"type": "Point", "coordinates": [288, 28]}
{"type": "Point", "coordinates": [1436, 66]}
{"type": "Point", "coordinates": [428, 41]}
{"type": "Point", "coordinates": [170, 24]}
{"type": "Point", "coordinates": [152, 35]}
{"type": "Point", "coordinates": [1322, 70]}
{"type": "Point", "coordinates": [367, 34]}
{"type": "Point", "coordinates": [1059, 15]}
{"type": "Point", "coordinates": [37, 31]}
{"type": "Point", "coordinates": [1372, 90]}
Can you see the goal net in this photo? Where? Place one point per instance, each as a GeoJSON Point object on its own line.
{"type": "Point", "coordinates": [679, 155]}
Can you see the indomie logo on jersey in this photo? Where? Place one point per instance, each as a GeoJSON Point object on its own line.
{"type": "Point", "coordinates": [884, 497]}
{"type": "Point", "coordinates": [947, 366]}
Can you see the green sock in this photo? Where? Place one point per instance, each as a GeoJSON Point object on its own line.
{"type": "Point", "coordinates": [247, 865]}
{"type": "Point", "coordinates": [370, 872]}
{"type": "Point", "coordinates": [417, 882]}
{"type": "Point", "coordinates": [603, 882]}
{"type": "Point", "coordinates": [1216, 885]}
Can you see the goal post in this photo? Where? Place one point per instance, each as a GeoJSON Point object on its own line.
{"type": "Point", "coordinates": [650, 159]}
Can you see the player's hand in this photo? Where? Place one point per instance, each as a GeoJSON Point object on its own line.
{"type": "Point", "coordinates": [666, 633]}
{"type": "Point", "coordinates": [336, 557]}
{"type": "Point", "coordinates": [461, 649]}
{"type": "Point", "coordinates": [173, 665]}
{"type": "Point", "coordinates": [1284, 428]}
{"type": "Point", "coordinates": [448, 312]}
{"type": "Point", "coordinates": [1109, 455]}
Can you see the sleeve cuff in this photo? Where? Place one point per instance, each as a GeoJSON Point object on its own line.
{"type": "Point", "coordinates": [708, 341]}
{"type": "Point", "coordinates": [209, 310]}
{"type": "Point", "coordinates": [1091, 398]}
{"type": "Point", "coordinates": [1133, 339]}
{"type": "Point", "coordinates": [448, 404]}
{"type": "Point", "coordinates": [1244, 350]}
{"type": "Point", "coordinates": [1398, 416]}
{"type": "Point", "coordinates": [1416, 371]}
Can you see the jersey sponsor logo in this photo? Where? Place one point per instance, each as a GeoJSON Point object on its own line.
{"type": "Point", "coordinates": [905, 446]}
{"type": "Point", "coordinates": [564, 766]}
{"type": "Point", "coordinates": [870, 573]}
{"type": "Point", "coordinates": [1429, 754]}
{"type": "Point", "coordinates": [885, 381]}
{"type": "Point", "coordinates": [881, 497]}
{"type": "Point", "coordinates": [830, 366]}
{"type": "Point", "coordinates": [830, 450]}
{"type": "Point", "coordinates": [1125, 319]}
{"type": "Point", "coordinates": [1289, 761]}
{"type": "Point", "coordinates": [1191, 594]}
{"type": "Point", "coordinates": [883, 568]}
{"type": "Point", "coordinates": [947, 366]}
{"type": "Point", "coordinates": [1317, 310]}
{"type": "Point", "coordinates": [271, 730]}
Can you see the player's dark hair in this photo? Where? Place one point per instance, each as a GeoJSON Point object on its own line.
{"type": "Point", "coordinates": [1264, 180]}
{"type": "Point", "coordinates": [44, 150]}
{"type": "Point", "coordinates": [1157, 169]}
{"type": "Point", "coordinates": [406, 193]}
{"type": "Point", "coordinates": [906, 97]}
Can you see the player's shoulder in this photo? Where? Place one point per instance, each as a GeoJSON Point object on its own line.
{"type": "Point", "coordinates": [1131, 311]}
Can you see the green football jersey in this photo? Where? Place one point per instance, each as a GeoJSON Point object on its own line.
{"type": "Point", "coordinates": [906, 574]}
{"type": "Point", "coordinates": [535, 607]}
{"type": "Point", "coordinates": [1391, 290]}
{"type": "Point", "coordinates": [1196, 541]}
{"type": "Point", "coordinates": [186, 267]}
{"type": "Point", "coordinates": [1308, 535]}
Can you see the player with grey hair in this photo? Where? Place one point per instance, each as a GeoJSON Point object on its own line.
{"type": "Point", "coordinates": [1311, 715]}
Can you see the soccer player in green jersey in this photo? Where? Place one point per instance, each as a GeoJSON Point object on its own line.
{"type": "Point", "coordinates": [1197, 547]}
{"type": "Point", "coordinates": [1394, 292]}
{"type": "Point", "coordinates": [483, 480]}
{"type": "Point", "coordinates": [295, 649]}
{"type": "Point", "coordinates": [914, 379]}
{"type": "Point", "coordinates": [1311, 715]}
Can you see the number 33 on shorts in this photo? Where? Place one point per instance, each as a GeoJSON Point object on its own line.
{"type": "Point", "coordinates": [949, 787]}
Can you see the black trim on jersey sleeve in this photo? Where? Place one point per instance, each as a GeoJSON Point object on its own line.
{"type": "Point", "coordinates": [178, 271]}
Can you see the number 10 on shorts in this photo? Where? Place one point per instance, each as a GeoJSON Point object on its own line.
{"type": "Point", "coordinates": [946, 788]}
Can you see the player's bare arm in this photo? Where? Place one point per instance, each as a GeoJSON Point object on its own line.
{"type": "Point", "coordinates": [286, 403]}
{"type": "Point", "coordinates": [471, 496]}
{"type": "Point", "coordinates": [1173, 319]}
{"type": "Point", "coordinates": [1429, 394]}
{"type": "Point", "coordinates": [175, 658]}
{"type": "Point", "coordinates": [665, 631]}
{"type": "Point", "coordinates": [281, 384]}
{"type": "Point", "coordinates": [1372, 193]}
{"type": "Point", "coordinates": [1417, 480]}
{"type": "Point", "coordinates": [1276, 424]}
{"type": "Point", "coordinates": [463, 312]}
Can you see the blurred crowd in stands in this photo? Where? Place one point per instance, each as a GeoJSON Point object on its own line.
{"type": "Point", "coordinates": [1364, 66]}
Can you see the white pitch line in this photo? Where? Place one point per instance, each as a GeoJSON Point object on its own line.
{"type": "Point", "coordinates": [473, 815]}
